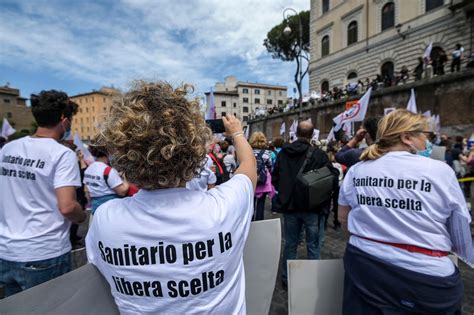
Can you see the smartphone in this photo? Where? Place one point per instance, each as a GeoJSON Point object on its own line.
{"type": "Point", "coordinates": [216, 125]}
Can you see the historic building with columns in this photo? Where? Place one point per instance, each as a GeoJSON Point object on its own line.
{"type": "Point", "coordinates": [358, 39]}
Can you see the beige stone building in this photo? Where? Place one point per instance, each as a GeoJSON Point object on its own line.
{"type": "Point", "coordinates": [13, 108]}
{"type": "Point", "coordinates": [93, 107]}
{"type": "Point", "coordinates": [243, 99]}
{"type": "Point", "coordinates": [356, 39]}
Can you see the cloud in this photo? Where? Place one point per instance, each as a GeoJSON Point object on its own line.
{"type": "Point", "coordinates": [199, 42]}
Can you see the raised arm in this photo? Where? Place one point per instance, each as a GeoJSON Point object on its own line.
{"type": "Point", "coordinates": [248, 164]}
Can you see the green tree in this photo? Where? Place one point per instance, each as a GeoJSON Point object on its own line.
{"type": "Point", "coordinates": [286, 46]}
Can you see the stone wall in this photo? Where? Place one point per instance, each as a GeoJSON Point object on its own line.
{"type": "Point", "coordinates": [451, 96]}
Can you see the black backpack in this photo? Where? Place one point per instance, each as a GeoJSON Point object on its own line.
{"type": "Point", "coordinates": [261, 169]}
{"type": "Point", "coordinates": [222, 175]}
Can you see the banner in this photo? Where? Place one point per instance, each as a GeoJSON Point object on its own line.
{"type": "Point", "coordinates": [355, 113]}
{"type": "Point", "coordinates": [282, 129]}
{"type": "Point", "coordinates": [7, 129]}
{"type": "Point", "coordinates": [411, 106]}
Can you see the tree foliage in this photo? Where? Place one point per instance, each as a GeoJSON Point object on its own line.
{"type": "Point", "coordinates": [287, 47]}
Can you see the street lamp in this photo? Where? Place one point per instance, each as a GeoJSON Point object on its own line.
{"type": "Point", "coordinates": [287, 31]}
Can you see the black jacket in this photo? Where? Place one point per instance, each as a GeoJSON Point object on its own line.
{"type": "Point", "coordinates": [288, 163]}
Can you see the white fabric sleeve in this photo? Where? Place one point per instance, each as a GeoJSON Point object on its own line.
{"type": "Point", "coordinates": [236, 195]}
{"type": "Point", "coordinates": [346, 189]}
{"type": "Point", "coordinates": [458, 223]}
{"type": "Point", "coordinates": [114, 179]}
{"type": "Point", "coordinates": [67, 171]}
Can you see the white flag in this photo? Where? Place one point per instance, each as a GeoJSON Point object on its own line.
{"type": "Point", "coordinates": [282, 128]}
{"type": "Point", "coordinates": [412, 103]}
{"type": "Point", "coordinates": [247, 131]}
{"type": "Point", "coordinates": [7, 129]}
{"type": "Point", "coordinates": [427, 53]}
{"type": "Point", "coordinates": [355, 113]}
{"type": "Point", "coordinates": [427, 114]}
{"type": "Point", "coordinates": [331, 135]}
{"type": "Point", "coordinates": [292, 137]}
{"type": "Point", "coordinates": [294, 126]}
{"type": "Point", "coordinates": [88, 157]}
{"type": "Point", "coordinates": [347, 127]}
{"type": "Point", "coordinates": [315, 135]}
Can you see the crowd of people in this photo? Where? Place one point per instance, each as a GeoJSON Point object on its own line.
{"type": "Point", "coordinates": [172, 205]}
{"type": "Point", "coordinates": [426, 68]}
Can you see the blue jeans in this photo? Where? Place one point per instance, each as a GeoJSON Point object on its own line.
{"type": "Point", "coordinates": [18, 276]}
{"type": "Point", "coordinates": [314, 228]}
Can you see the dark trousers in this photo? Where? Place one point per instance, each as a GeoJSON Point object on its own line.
{"type": "Point", "coordinates": [259, 207]}
{"type": "Point", "coordinates": [373, 286]}
{"type": "Point", "coordinates": [456, 64]}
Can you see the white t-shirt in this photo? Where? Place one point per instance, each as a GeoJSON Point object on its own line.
{"type": "Point", "coordinates": [206, 177]}
{"type": "Point", "coordinates": [95, 182]}
{"type": "Point", "coordinates": [175, 251]}
{"type": "Point", "coordinates": [31, 226]}
{"type": "Point", "coordinates": [405, 199]}
{"type": "Point", "coordinates": [458, 52]}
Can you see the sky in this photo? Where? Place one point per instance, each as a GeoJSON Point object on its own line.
{"type": "Point", "coordinates": [79, 46]}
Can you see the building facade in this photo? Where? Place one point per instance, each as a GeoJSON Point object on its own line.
{"type": "Point", "coordinates": [93, 108]}
{"type": "Point", "coordinates": [13, 108]}
{"type": "Point", "coordinates": [358, 39]}
{"type": "Point", "coordinates": [244, 99]}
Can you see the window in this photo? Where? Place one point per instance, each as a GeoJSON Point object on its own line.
{"type": "Point", "coordinates": [87, 119]}
{"type": "Point", "coordinates": [6, 100]}
{"type": "Point", "coordinates": [325, 46]}
{"type": "Point", "coordinates": [352, 75]}
{"type": "Point", "coordinates": [80, 110]}
{"type": "Point", "coordinates": [87, 109]}
{"type": "Point", "coordinates": [245, 109]}
{"type": "Point", "coordinates": [92, 98]}
{"type": "Point", "coordinates": [280, 102]}
{"type": "Point", "coordinates": [388, 16]}
{"type": "Point", "coordinates": [223, 103]}
{"type": "Point", "coordinates": [86, 99]}
{"type": "Point", "coordinates": [281, 93]}
{"type": "Point", "coordinates": [325, 6]}
{"type": "Point", "coordinates": [269, 92]}
{"type": "Point", "coordinates": [257, 101]}
{"type": "Point", "coordinates": [88, 129]}
{"type": "Point", "coordinates": [105, 109]}
{"type": "Point", "coordinates": [245, 91]}
{"type": "Point", "coordinates": [324, 86]}
{"type": "Point", "coordinates": [75, 120]}
{"type": "Point", "coordinates": [82, 120]}
{"type": "Point", "coordinates": [246, 99]}
{"type": "Point", "coordinates": [9, 115]}
{"type": "Point", "coordinates": [104, 99]}
{"type": "Point", "coordinates": [433, 4]}
{"type": "Point", "coordinates": [257, 91]}
{"type": "Point", "coordinates": [387, 69]}
{"type": "Point", "coordinates": [269, 102]}
{"type": "Point", "coordinates": [352, 33]}
{"type": "Point", "coordinates": [235, 105]}
{"type": "Point", "coordinates": [223, 114]}
{"type": "Point", "coordinates": [93, 119]}
{"type": "Point", "coordinates": [245, 118]}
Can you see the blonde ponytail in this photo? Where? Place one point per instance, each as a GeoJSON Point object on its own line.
{"type": "Point", "coordinates": [390, 128]}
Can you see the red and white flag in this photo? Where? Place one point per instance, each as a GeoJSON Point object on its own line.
{"type": "Point", "coordinates": [355, 113]}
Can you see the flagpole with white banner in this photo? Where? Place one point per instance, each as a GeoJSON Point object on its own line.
{"type": "Point", "coordinates": [7, 129]}
{"type": "Point", "coordinates": [411, 106]}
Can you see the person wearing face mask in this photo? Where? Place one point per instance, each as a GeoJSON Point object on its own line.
{"type": "Point", "coordinates": [38, 181]}
{"type": "Point", "coordinates": [404, 212]}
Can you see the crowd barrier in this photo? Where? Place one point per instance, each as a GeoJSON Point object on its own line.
{"type": "Point", "coordinates": [85, 291]}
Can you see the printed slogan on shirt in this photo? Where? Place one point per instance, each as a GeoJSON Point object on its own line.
{"type": "Point", "coordinates": [19, 160]}
{"type": "Point", "coordinates": [392, 203]}
{"type": "Point", "coordinates": [162, 253]}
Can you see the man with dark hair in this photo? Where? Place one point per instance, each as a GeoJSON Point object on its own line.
{"type": "Point", "coordinates": [289, 200]}
{"type": "Point", "coordinates": [38, 183]}
{"type": "Point", "coordinates": [350, 153]}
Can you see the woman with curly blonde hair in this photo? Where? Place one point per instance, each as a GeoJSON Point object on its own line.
{"type": "Point", "coordinates": [405, 213]}
{"type": "Point", "coordinates": [168, 249]}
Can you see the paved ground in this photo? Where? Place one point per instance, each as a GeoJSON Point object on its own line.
{"type": "Point", "coordinates": [333, 248]}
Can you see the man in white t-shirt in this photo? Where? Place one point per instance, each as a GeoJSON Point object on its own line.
{"type": "Point", "coordinates": [38, 180]}
{"type": "Point", "coordinates": [206, 179]}
{"type": "Point", "coordinates": [458, 55]}
{"type": "Point", "coordinates": [168, 249]}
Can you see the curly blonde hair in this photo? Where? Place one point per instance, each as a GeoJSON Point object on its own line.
{"type": "Point", "coordinates": [258, 141]}
{"type": "Point", "coordinates": [156, 136]}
